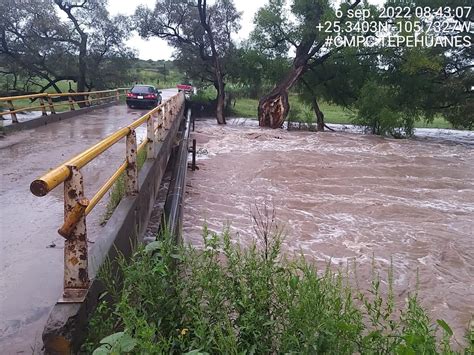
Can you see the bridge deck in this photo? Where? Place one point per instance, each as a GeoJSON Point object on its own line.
{"type": "Point", "coordinates": [31, 249]}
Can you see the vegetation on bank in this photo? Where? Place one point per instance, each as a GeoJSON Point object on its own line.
{"type": "Point", "coordinates": [227, 299]}
{"type": "Point", "coordinates": [240, 104]}
{"type": "Point", "coordinates": [300, 112]}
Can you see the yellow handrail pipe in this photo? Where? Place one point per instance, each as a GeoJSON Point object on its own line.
{"type": "Point", "coordinates": [46, 183]}
{"type": "Point", "coordinates": [50, 180]}
{"type": "Point", "coordinates": [109, 183]}
{"type": "Point", "coordinates": [106, 187]}
{"type": "Point", "coordinates": [80, 93]}
{"type": "Point", "coordinates": [32, 96]}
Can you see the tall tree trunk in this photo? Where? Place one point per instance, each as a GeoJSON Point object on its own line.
{"type": "Point", "coordinates": [220, 87]}
{"type": "Point", "coordinates": [81, 79]}
{"type": "Point", "coordinates": [15, 80]}
{"type": "Point", "coordinates": [317, 111]}
{"type": "Point", "coordinates": [319, 115]}
{"type": "Point", "coordinates": [219, 76]}
{"type": "Point", "coordinates": [274, 107]}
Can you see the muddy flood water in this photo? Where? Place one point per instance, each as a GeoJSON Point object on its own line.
{"type": "Point", "coordinates": [344, 198]}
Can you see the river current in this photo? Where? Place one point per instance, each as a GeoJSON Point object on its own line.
{"type": "Point", "coordinates": [349, 198]}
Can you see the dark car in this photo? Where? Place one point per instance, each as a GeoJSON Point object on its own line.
{"type": "Point", "coordinates": [143, 96]}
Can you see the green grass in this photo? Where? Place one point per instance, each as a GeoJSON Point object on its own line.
{"type": "Point", "coordinates": [438, 122]}
{"type": "Point", "coordinates": [245, 107]}
{"type": "Point", "coordinates": [233, 300]}
{"type": "Point", "coordinates": [62, 85]}
{"type": "Point", "coordinates": [336, 114]}
{"type": "Point", "coordinates": [144, 76]}
{"type": "Point", "coordinates": [151, 72]}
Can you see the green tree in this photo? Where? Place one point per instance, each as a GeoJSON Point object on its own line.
{"type": "Point", "coordinates": [86, 45]}
{"type": "Point", "coordinates": [202, 35]}
{"type": "Point", "coordinates": [420, 83]}
{"type": "Point", "coordinates": [255, 71]}
{"type": "Point", "coordinates": [378, 111]}
{"type": "Point", "coordinates": [278, 31]}
{"type": "Point", "coordinates": [338, 80]}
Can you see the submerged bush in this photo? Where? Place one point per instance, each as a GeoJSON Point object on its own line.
{"type": "Point", "coordinates": [234, 300]}
{"type": "Point", "coordinates": [381, 114]}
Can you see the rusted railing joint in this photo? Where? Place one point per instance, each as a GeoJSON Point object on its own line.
{"type": "Point", "coordinates": [73, 217]}
{"type": "Point", "coordinates": [12, 110]}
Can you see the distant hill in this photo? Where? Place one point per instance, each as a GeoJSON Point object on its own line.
{"type": "Point", "coordinates": [161, 73]}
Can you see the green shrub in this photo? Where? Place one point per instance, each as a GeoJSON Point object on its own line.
{"type": "Point", "coordinates": [224, 298]}
{"type": "Point", "coordinates": [379, 112]}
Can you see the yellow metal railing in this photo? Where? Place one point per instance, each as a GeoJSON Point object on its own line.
{"type": "Point", "coordinates": [49, 102]}
{"type": "Point", "coordinates": [76, 206]}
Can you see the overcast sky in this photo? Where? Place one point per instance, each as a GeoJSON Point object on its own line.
{"type": "Point", "coordinates": [158, 49]}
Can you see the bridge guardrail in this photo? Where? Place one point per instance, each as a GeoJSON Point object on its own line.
{"type": "Point", "coordinates": [76, 206]}
{"type": "Point", "coordinates": [47, 102]}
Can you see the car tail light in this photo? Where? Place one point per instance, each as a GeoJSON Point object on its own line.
{"type": "Point", "coordinates": [129, 94]}
{"type": "Point", "coordinates": [150, 96]}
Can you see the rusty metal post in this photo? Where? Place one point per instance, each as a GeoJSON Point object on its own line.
{"type": "Point", "coordinates": [73, 217]}
{"type": "Point", "coordinates": [170, 111]}
{"type": "Point", "coordinates": [71, 103]}
{"type": "Point", "coordinates": [160, 134]}
{"type": "Point", "coordinates": [164, 116]}
{"type": "Point", "coordinates": [173, 108]}
{"type": "Point", "coordinates": [51, 105]}
{"type": "Point", "coordinates": [13, 114]}
{"type": "Point", "coordinates": [131, 172]}
{"type": "Point", "coordinates": [169, 114]}
{"type": "Point", "coordinates": [43, 108]}
{"type": "Point", "coordinates": [76, 275]}
{"type": "Point", "coordinates": [150, 134]}
{"type": "Point", "coordinates": [194, 155]}
{"type": "Point", "coordinates": [117, 95]}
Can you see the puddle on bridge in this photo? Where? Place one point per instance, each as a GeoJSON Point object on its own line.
{"type": "Point", "coordinates": [347, 197]}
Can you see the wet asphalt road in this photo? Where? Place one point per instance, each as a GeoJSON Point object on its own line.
{"type": "Point", "coordinates": [31, 251]}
